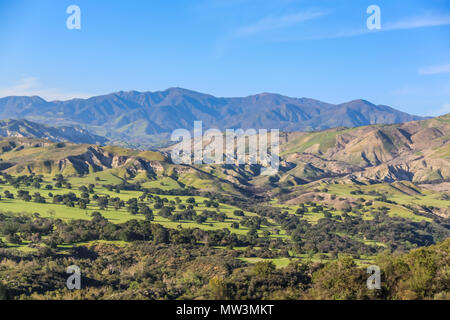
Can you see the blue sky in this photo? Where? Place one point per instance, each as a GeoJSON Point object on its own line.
{"type": "Point", "coordinates": [316, 49]}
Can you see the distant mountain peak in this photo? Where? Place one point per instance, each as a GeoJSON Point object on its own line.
{"type": "Point", "coordinates": [137, 117]}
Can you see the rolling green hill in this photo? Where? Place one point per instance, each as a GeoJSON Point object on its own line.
{"type": "Point", "coordinates": [356, 193]}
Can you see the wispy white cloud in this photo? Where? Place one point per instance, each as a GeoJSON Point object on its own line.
{"type": "Point", "coordinates": [445, 68]}
{"type": "Point", "coordinates": [273, 23]}
{"type": "Point", "coordinates": [428, 20]}
{"type": "Point", "coordinates": [267, 24]}
{"type": "Point", "coordinates": [425, 21]}
{"type": "Point", "coordinates": [30, 86]}
{"type": "Point", "coordinates": [444, 109]}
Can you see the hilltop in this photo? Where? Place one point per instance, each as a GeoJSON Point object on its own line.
{"type": "Point", "coordinates": [416, 151]}
{"type": "Point", "coordinates": [28, 129]}
{"type": "Point", "coordinates": [23, 156]}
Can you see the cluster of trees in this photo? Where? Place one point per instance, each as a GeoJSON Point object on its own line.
{"type": "Point", "coordinates": [54, 232]}
{"type": "Point", "coordinates": [22, 180]}
{"type": "Point", "coordinates": [130, 186]}
{"type": "Point", "coordinates": [254, 222]}
{"type": "Point", "coordinates": [350, 233]}
{"type": "Point", "coordinates": [332, 235]}
{"type": "Point", "coordinates": [140, 271]}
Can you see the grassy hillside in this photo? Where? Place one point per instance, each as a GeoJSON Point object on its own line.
{"type": "Point", "coordinates": [358, 171]}
{"type": "Point", "coordinates": [342, 196]}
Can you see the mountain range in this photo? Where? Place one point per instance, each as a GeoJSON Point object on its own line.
{"type": "Point", "coordinates": [417, 152]}
{"type": "Point", "coordinates": [146, 119]}
{"type": "Point", "coordinates": [28, 129]}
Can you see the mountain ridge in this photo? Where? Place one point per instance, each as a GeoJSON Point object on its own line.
{"type": "Point", "coordinates": [27, 129]}
{"type": "Point", "coordinates": [144, 118]}
{"type": "Point", "coordinates": [416, 153]}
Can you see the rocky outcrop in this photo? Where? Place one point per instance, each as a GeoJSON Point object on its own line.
{"type": "Point", "coordinates": [415, 151]}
